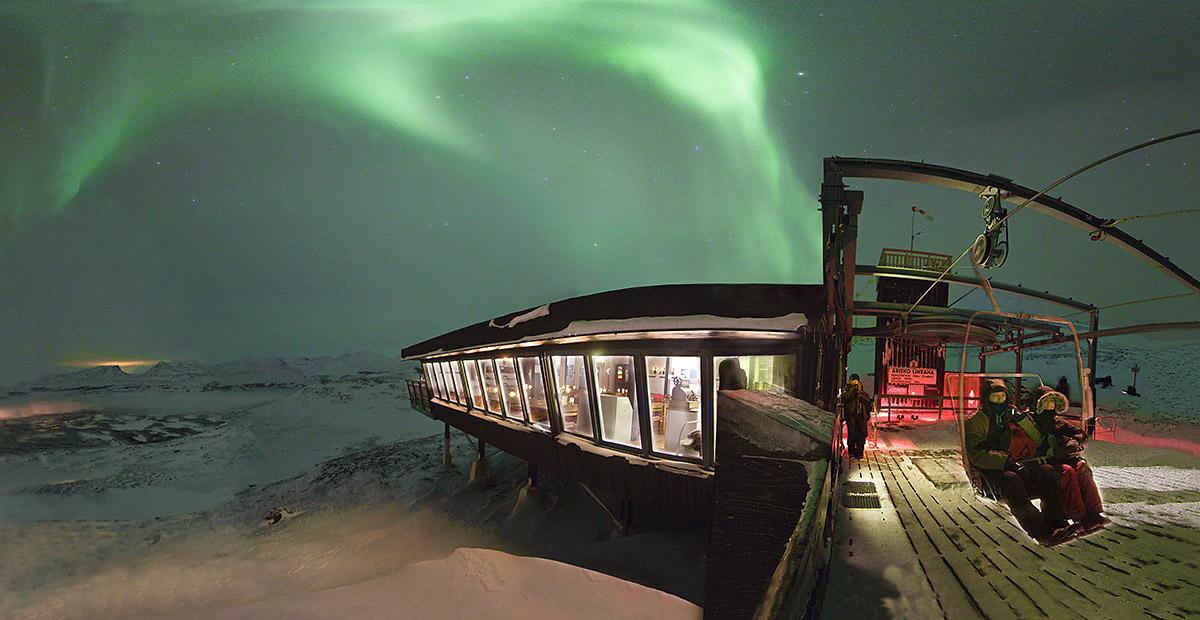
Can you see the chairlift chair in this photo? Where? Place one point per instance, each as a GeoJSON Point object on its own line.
{"type": "Point", "coordinates": [1087, 413]}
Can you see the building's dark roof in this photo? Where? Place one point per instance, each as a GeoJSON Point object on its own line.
{"type": "Point", "coordinates": [727, 301]}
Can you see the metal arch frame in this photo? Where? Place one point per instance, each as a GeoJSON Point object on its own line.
{"type": "Point", "coordinates": [1016, 289]}
{"type": "Point", "coordinates": [965, 180]}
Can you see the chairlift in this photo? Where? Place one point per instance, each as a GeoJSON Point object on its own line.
{"type": "Point", "coordinates": [1087, 412]}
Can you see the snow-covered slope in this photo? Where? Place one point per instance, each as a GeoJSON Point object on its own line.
{"type": "Point", "coordinates": [1168, 379]}
{"type": "Point", "coordinates": [252, 370]}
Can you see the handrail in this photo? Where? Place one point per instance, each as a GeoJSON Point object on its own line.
{"type": "Point", "coordinates": [913, 259]}
{"type": "Point", "coordinates": [419, 395]}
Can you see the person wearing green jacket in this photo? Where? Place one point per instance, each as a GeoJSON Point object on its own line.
{"type": "Point", "coordinates": [1006, 447]}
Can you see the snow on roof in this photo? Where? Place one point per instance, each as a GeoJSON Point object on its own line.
{"type": "Point", "coordinates": [673, 307]}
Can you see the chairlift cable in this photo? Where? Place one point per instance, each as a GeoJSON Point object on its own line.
{"type": "Point", "coordinates": [963, 296]}
{"type": "Point", "coordinates": [1099, 233]}
{"type": "Point", "coordinates": [1053, 185]}
{"type": "Point", "coordinates": [1136, 301]}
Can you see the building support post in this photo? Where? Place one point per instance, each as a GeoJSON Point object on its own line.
{"type": "Point", "coordinates": [1089, 426]}
{"type": "Point", "coordinates": [1017, 384]}
{"type": "Point", "coordinates": [446, 460]}
{"type": "Point", "coordinates": [479, 469]}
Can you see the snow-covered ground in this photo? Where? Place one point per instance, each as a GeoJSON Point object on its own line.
{"type": "Point", "coordinates": [298, 486]}
{"type": "Point", "coordinates": [281, 488]}
{"type": "Point", "coordinates": [1168, 378]}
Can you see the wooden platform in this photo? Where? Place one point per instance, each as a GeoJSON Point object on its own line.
{"type": "Point", "coordinates": [934, 549]}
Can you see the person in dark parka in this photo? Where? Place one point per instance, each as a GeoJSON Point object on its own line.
{"type": "Point", "coordinates": [1004, 444]}
{"type": "Point", "coordinates": [856, 411]}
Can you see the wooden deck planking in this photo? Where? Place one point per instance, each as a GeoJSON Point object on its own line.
{"type": "Point", "coordinates": [972, 567]}
{"type": "Point", "coordinates": [968, 544]}
{"type": "Point", "coordinates": [947, 586]}
{"type": "Point", "coordinates": [987, 601]}
{"type": "Point", "coordinates": [1111, 574]}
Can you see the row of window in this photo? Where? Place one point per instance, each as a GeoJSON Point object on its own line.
{"type": "Point", "coordinates": [597, 396]}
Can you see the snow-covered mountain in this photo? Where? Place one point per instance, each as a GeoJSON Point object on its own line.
{"type": "Point", "coordinates": [183, 371]}
{"type": "Point", "coordinates": [245, 371]}
{"type": "Point", "coordinates": [258, 370]}
{"type": "Point", "coordinates": [98, 376]}
{"type": "Point", "coordinates": [360, 362]}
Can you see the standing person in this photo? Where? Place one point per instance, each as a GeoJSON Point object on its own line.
{"type": "Point", "coordinates": [1003, 444]}
{"type": "Point", "coordinates": [856, 411]}
{"type": "Point", "coordinates": [1063, 388]}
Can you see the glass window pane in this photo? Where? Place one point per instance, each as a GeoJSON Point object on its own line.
{"type": "Point", "coordinates": [447, 383]}
{"type": "Point", "coordinates": [448, 379]}
{"type": "Point", "coordinates": [751, 372]}
{"type": "Point", "coordinates": [473, 384]}
{"type": "Point", "coordinates": [758, 373]}
{"type": "Point", "coordinates": [616, 393]}
{"type": "Point", "coordinates": [427, 370]}
{"type": "Point", "coordinates": [535, 391]}
{"type": "Point", "coordinates": [510, 386]}
{"type": "Point", "coordinates": [491, 388]}
{"type": "Point", "coordinates": [675, 390]}
{"type": "Point", "coordinates": [460, 395]}
{"type": "Point", "coordinates": [570, 382]}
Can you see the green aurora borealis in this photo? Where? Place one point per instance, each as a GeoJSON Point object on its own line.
{"type": "Point", "coordinates": [389, 63]}
{"type": "Point", "coordinates": [209, 179]}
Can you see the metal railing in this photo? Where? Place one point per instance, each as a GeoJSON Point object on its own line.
{"type": "Point", "coordinates": [899, 403]}
{"type": "Point", "coordinates": [419, 395]}
{"type": "Point", "coordinates": [914, 259]}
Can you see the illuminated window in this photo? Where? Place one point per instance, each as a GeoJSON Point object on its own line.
{"type": "Point", "coordinates": [431, 379]}
{"type": "Point", "coordinates": [511, 386]}
{"type": "Point", "coordinates": [616, 394]}
{"type": "Point", "coordinates": [473, 384]}
{"type": "Point", "coordinates": [448, 381]}
{"type": "Point", "coordinates": [460, 395]}
{"type": "Point", "coordinates": [535, 391]}
{"type": "Point", "coordinates": [491, 387]}
{"type": "Point", "coordinates": [759, 372]}
{"type": "Point", "coordinates": [673, 384]}
{"type": "Point", "coordinates": [571, 388]}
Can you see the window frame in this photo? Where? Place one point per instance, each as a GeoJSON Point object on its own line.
{"type": "Point", "coordinates": [524, 419]}
{"type": "Point", "coordinates": [587, 370]}
{"type": "Point", "coordinates": [448, 381]}
{"type": "Point", "coordinates": [468, 364]}
{"type": "Point", "coordinates": [456, 374]}
{"type": "Point", "coordinates": [487, 404]}
{"type": "Point", "coordinates": [651, 451]}
{"type": "Point", "coordinates": [427, 368]}
{"type": "Point", "coordinates": [550, 407]}
{"type": "Point", "coordinates": [639, 410]}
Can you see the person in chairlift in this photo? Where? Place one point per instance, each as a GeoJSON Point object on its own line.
{"type": "Point", "coordinates": [1002, 443]}
{"type": "Point", "coordinates": [1080, 496]}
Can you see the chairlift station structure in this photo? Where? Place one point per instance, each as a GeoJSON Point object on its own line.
{"type": "Point", "coordinates": [621, 392]}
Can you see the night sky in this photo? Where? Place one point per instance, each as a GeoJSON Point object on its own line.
{"type": "Point", "coordinates": [212, 179]}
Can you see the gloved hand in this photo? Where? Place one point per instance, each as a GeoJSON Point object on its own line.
{"type": "Point", "coordinates": [1011, 465]}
